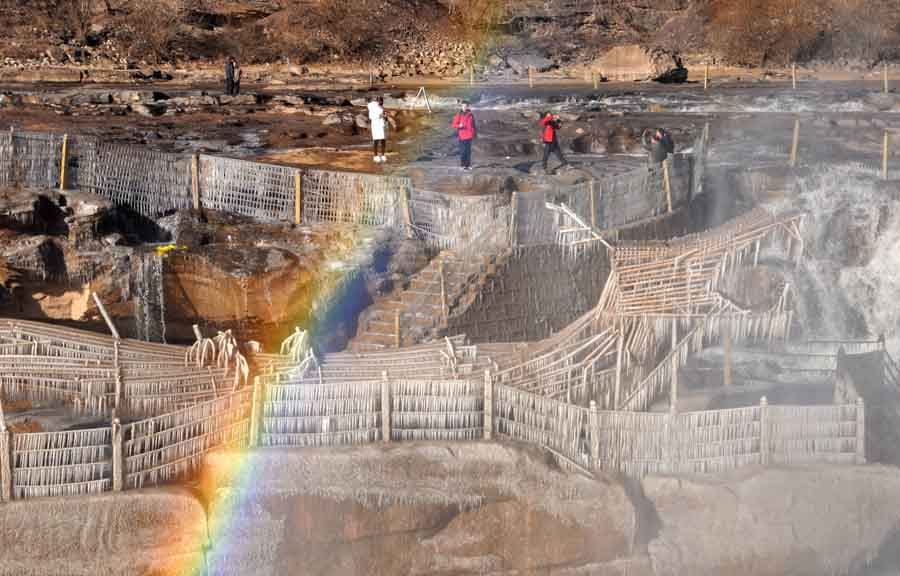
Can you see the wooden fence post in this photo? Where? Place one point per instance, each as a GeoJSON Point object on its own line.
{"type": "Point", "coordinates": [593, 205]}
{"type": "Point", "coordinates": [118, 463]}
{"type": "Point", "coordinates": [795, 142]}
{"type": "Point", "coordinates": [860, 431]}
{"type": "Point", "coordinates": [472, 75]}
{"type": "Point", "coordinates": [256, 413]}
{"type": "Point", "coordinates": [513, 209]}
{"type": "Point", "coordinates": [385, 407]}
{"type": "Point", "coordinates": [397, 338]}
{"type": "Point", "coordinates": [594, 422]}
{"type": "Point", "coordinates": [764, 431]}
{"type": "Point", "coordinates": [673, 395]}
{"type": "Point", "coordinates": [884, 155]}
{"type": "Point", "coordinates": [195, 181]}
{"type": "Point", "coordinates": [119, 405]}
{"type": "Point", "coordinates": [298, 197]}
{"type": "Point", "coordinates": [63, 160]}
{"type": "Point", "coordinates": [7, 465]}
{"type": "Point", "coordinates": [596, 80]}
{"type": "Point", "coordinates": [531, 76]}
{"type": "Point", "coordinates": [620, 344]}
{"type": "Point", "coordinates": [106, 317]}
{"type": "Point", "coordinates": [706, 77]}
{"type": "Point", "coordinates": [443, 288]}
{"type": "Point", "coordinates": [488, 405]}
{"type": "Point", "coordinates": [13, 177]}
{"type": "Point", "coordinates": [886, 87]}
{"type": "Point", "coordinates": [667, 184]}
{"type": "Point", "coordinates": [794, 74]}
{"type": "Point", "coordinates": [727, 354]}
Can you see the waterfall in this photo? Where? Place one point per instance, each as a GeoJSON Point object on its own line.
{"type": "Point", "coordinates": [149, 298]}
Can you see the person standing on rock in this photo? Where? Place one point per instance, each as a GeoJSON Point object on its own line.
{"type": "Point", "coordinates": [229, 76]}
{"type": "Point", "coordinates": [376, 125]}
{"type": "Point", "coordinates": [464, 124]}
{"type": "Point", "coordinates": [237, 77]}
{"type": "Point", "coordinates": [659, 143]}
{"type": "Point", "coordinates": [551, 125]}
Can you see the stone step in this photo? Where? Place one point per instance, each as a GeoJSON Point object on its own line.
{"type": "Point", "coordinates": [387, 340]}
{"type": "Point", "coordinates": [381, 326]}
{"type": "Point", "coordinates": [419, 298]}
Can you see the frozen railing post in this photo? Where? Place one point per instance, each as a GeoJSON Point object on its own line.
{"type": "Point", "coordinates": [118, 463]}
{"type": "Point", "coordinates": [488, 406]}
{"type": "Point", "coordinates": [764, 431]}
{"type": "Point", "coordinates": [385, 407]}
{"type": "Point", "coordinates": [255, 412]}
{"type": "Point", "coordinates": [298, 197]}
{"type": "Point", "coordinates": [594, 435]}
{"type": "Point", "coordinates": [6, 464]}
{"type": "Point", "coordinates": [63, 159]}
{"type": "Point", "coordinates": [795, 143]}
{"type": "Point", "coordinates": [860, 431]}
{"type": "Point", "coordinates": [195, 181]}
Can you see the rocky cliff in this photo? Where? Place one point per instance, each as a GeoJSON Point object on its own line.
{"type": "Point", "coordinates": [477, 508]}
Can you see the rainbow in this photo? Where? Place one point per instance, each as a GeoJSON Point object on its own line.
{"type": "Point", "coordinates": [226, 491]}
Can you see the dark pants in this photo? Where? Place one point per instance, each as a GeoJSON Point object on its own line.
{"type": "Point", "coordinates": [379, 143]}
{"type": "Point", "coordinates": [554, 148]}
{"type": "Point", "coordinates": [237, 88]}
{"type": "Point", "coordinates": [229, 86]}
{"type": "Point", "coordinates": [465, 153]}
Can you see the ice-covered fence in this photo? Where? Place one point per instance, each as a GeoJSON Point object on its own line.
{"type": "Point", "coordinates": [437, 410]}
{"type": "Point", "coordinates": [157, 391]}
{"type": "Point", "coordinates": [803, 434]}
{"type": "Point", "coordinates": [351, 198]}
{"type": "Point", "coordinates": [321, 414]}
{"type": "Point", "coordinates": [66, 463]}
{"type": "Point", "coordinates": [30, 158]}
{"type": "Point", "coordinates": [173, 445]}
{"type": "Point", "coordinates": [260, 191]}
{"type": "Point", "coordinates": [640, 443]}
{"type": "Point", "coordinates": [605, 203]}
{"type": "Point", "coordinates": [550, 423]}
{"type": "Point", "coordinates": [457, 222]}
{"type": "Point", "coordinates": [150, 183]}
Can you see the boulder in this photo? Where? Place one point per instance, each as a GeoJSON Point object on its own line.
{"type": "Point", "coordinates": [147, 109]}
{"type": "Point", "coordinates": [800, 521]}
{"type": "Point", "coordinates": [520, 63]}
{"type": "Point", "coordinates": [462, 508]}
{"type": "Point", "coordinates": [150, 531]}
{"type": "Point", "coordinates": [633, 62]}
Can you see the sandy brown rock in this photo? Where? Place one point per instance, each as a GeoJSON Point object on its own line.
{"type": "Point", "coordinates": [417, 509]}
{"type": "Point", "coordinates": [156, 532]}
{"type": "Point", "coordinates": [816, 520]}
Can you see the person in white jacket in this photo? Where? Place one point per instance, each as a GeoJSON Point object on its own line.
{"type": "Point", "coordinates": [377, 124]}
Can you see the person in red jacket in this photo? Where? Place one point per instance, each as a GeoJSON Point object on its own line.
{"type": "Point", "coordinates": [551, 124]}
{"type": "Point", "coordinates": [464, 124]}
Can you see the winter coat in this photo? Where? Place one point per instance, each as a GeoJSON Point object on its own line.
{"type": "Point", "coordinates": [550, 127]}
{"type": "Point", "coordinates": [464, 124]}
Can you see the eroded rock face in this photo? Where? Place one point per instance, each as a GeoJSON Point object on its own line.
{"type": "Point", "coordinates": [142, 532]}
{"type": "Point", "coordinates": [462, 509]}
{"type": "Point", "coordinates": [417, 509]}
{"type": "Point", "coordinates": [816, 520]}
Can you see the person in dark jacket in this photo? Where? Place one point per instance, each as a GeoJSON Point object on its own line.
{"type": "Point", "coordinates": [659, 143]}
{"type": "Point", "coordinates": [237, 77]}
{"type": "Point", "coordinates": [464, 124]}
{"type": "Point", "coordinates": [551, 125]}
{"type": "Point", "coordinates": [229, 76]}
